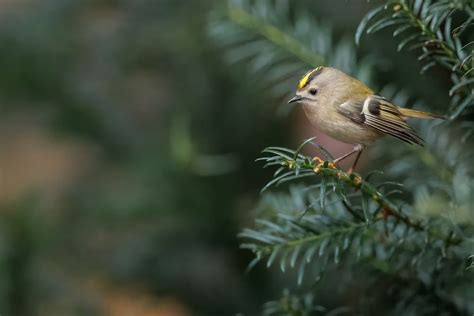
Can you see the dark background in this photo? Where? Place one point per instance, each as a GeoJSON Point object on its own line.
{"type": "Point", "coordinates": [127, 148]}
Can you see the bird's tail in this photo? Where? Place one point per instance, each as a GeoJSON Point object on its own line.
{"type": "Point", "coordinates": [420, 114]}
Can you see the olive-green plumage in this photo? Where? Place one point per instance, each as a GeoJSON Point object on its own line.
{"type": "Point", "coordinates": [346, 109]}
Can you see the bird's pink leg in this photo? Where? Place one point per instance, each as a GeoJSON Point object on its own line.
{"type": "Point", "coordinates": [357, 149]}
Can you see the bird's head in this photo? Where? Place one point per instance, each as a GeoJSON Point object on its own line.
{"type": "Point", "coordinates": [314, 85]}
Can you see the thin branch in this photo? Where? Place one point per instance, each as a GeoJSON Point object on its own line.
{"type": "Point", "coordinates": [386, 206]}
{"type": "Point", "coordinates": [326, 169]}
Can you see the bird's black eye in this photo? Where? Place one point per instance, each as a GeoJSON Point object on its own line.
{"type": "Point", "coordinates": [313, 91]}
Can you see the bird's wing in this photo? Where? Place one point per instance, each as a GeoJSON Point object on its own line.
{"type": "Point", "coordinates": [377, 112]}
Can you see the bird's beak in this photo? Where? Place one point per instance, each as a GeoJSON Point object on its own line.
{"type": "Point", "coordinates": [296, 98]}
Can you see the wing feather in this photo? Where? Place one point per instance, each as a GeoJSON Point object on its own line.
{"type": "Point", "coordinates": [379, 113]}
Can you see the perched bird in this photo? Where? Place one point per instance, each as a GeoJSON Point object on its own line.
{"type": "Point", "coordinates": [347, 110]}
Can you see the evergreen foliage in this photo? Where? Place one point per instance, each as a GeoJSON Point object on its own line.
{"type": "Point", "coordinates": [278, 49]}
{"type": "Point", "coordinates": [410, 240]}
{"type": "Point", "coordinates": [436, 30]}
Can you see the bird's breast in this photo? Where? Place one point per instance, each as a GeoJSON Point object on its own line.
{"type": "Point", "coordinates": [334, 124]}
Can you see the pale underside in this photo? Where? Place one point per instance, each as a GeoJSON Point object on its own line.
{"type": "Point", "coordinates": [362, 121]}
{"type": "Point", "coordinates": [334, 124]}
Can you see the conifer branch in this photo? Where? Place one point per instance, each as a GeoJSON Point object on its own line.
{"type": "Point", "coordinates": [277, 48]}
{"type": "Point", "coordinates": [274, 35]}
{"type": "Point", "coordinates": [300, 166]}
{"type": "Point", "coordinates": [428, 27]}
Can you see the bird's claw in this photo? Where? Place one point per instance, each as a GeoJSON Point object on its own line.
{"type": "Point", "coordinates": [323, 164]}
{"type": "Point", "coordinates": [318, 160]}
{"type": "Point", "coordinates": [319, 163]}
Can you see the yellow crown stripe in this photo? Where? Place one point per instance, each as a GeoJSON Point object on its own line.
{"type": "Point", "coordinates": [304, 81]}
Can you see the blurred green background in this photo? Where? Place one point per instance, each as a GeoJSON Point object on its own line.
{"type": "Point", "coordinates": [127, 155]}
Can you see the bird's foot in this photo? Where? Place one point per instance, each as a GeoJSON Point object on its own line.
{"type": "Point", "coordinates": [319, 163]}
{"type": "Point", "coordinates": [318, 160]}
{"type": "Point", "coordinates": [323, 164]}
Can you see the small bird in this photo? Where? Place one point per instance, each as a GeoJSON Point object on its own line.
{"type": "Point", "coordinates": [347, 110]}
